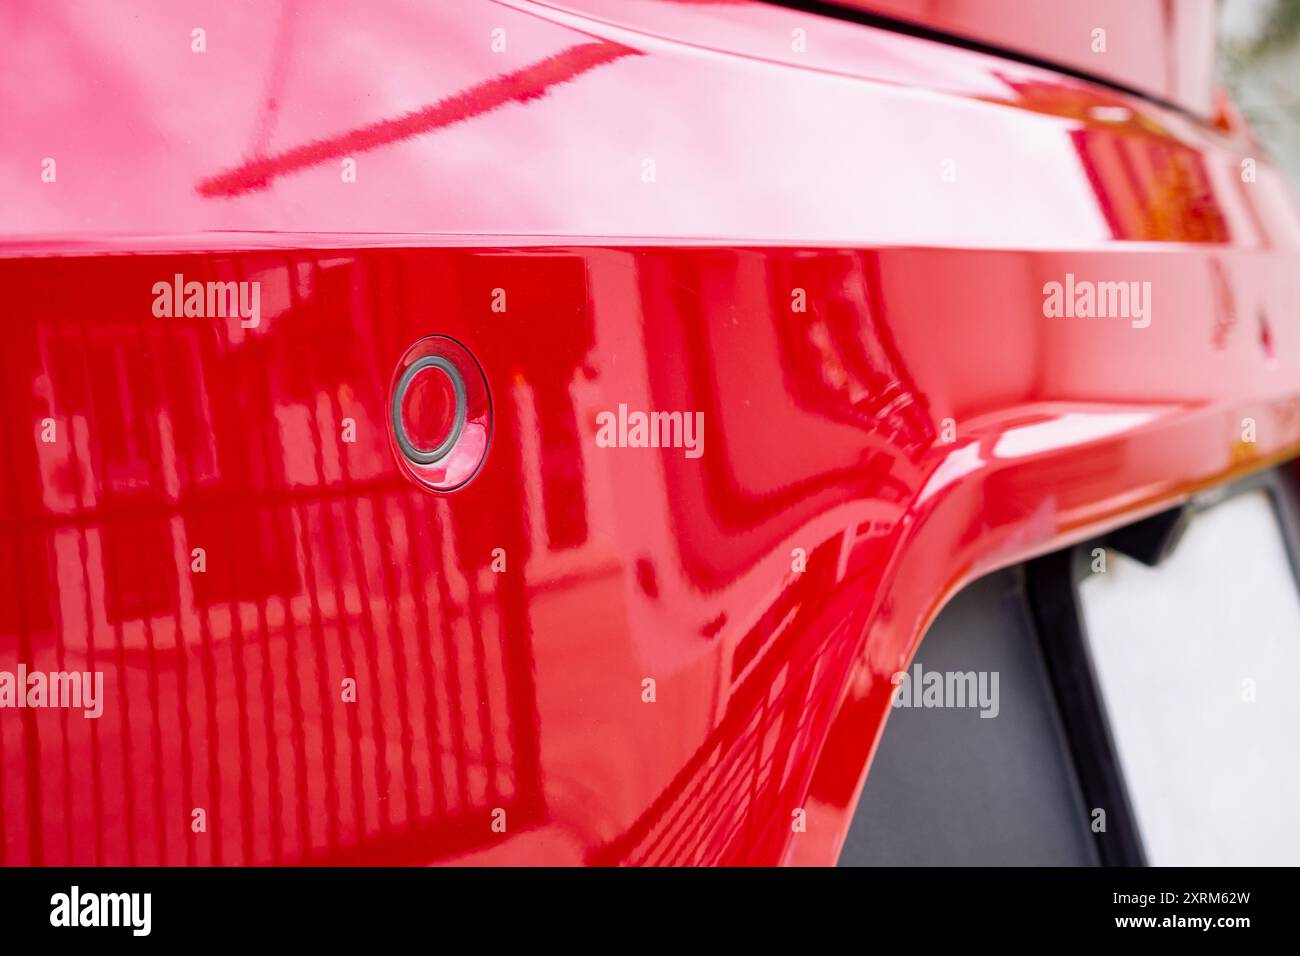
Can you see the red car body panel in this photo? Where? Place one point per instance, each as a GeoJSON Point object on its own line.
{"type": "Point", "coordinates": [919, 423]}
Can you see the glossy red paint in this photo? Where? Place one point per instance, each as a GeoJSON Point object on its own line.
{"type": "Point", "coordinates": [864, 333]}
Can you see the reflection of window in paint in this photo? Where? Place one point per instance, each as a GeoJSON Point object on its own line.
{"type": "Point", "coordinates": [193, 432]}
{"type": "Point", "coordinates": [122, 412]}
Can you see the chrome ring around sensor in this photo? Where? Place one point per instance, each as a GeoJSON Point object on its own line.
{"type": "Point", "coordinates": [430, 456]}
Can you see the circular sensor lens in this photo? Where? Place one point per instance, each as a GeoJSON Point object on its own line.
{"type": "Point", "coordinates": [441, 421]}
{"type": "Point", "coordinates": [429, 409]}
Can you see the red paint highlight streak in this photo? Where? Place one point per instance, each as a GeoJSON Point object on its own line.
{"type": "Point", "coordinates": [521, 86]}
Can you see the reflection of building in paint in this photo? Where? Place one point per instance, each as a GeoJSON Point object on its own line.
{"type": "Point", "coordinates": [820, 430]}
{"type": "Point", "coordinates": [734, 795]}
{"type": "Point", "coordinates": [322, 563]}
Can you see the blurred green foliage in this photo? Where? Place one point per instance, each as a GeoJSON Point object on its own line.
{"type": "Point", "coordinates": [1281, 28]}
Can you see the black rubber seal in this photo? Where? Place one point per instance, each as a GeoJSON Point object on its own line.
{"type": "Point", "coordinates": [429, 456]}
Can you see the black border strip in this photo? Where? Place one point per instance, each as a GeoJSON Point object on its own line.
{"type": "Point", "coordinates": [881, 21]}
{"type": "Point", "coordinates": [1051, 586]}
